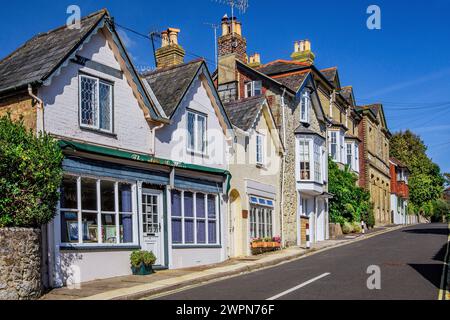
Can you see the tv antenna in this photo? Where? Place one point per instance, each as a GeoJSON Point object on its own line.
{"type": "Point", "coordinates": [215, 27]}
{"type": "Point", "coordinates": [241, 5]}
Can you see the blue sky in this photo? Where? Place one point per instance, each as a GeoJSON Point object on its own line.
{"type": "Point", "coordinates": [405, 65]}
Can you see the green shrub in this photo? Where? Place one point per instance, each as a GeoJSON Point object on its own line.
{"type": "Point", "coordinates": [347, 228]}
{"type": "Point", "coordinates": [142, 257]}
{"type": "Point", "coordinates": [356, 227]}
{"type": "Point", "coordinates": [30, 175]}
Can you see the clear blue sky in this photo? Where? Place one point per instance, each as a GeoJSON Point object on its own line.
{"type": "Point", "coordinates": [405, 65]}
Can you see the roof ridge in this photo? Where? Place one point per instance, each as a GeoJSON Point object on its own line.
{"type": "Point", "coordinates": [330, 68]}
{"type": "Point", "coordinates": [284, 75]}
{"type": "Point", "coordinates": [171, 68]}
{"type": "Point", "coordinates": [41, 34]}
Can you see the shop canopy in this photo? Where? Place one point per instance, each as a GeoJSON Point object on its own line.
{"type": "Point", "coordinates": [88, 148]}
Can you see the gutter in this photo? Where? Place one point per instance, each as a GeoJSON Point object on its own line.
{"type": "Point", "coordinates": [40, 105]}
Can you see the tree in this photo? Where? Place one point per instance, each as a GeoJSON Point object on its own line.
{"type": "Point", "coordinates": [30, 175]}
{"type": "Point", "coordinates": [350, 203]}
{"type": "Point", "coordinates": [426, 181]}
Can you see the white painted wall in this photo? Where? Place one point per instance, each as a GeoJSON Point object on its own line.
{"type": "Point", "coordinates": [131, 130]}
{"type": "Point", "coordinates": [171, 140]}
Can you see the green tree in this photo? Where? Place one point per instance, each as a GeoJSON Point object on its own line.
{"type": "Point", "coordinates": [30, 175]}
{"type": "Point", "coordinates": [350, 203]}
{"type": "Point", "coordinates": [426, 181]}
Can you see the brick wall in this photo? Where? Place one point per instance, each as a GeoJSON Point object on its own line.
{"type": "Point", "coordinates": [233, 43]}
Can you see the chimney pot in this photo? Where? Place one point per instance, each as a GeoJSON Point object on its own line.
{"type": "Point", "coordinates": [302, 52]}
{"type": "Point", "coordinates": [170, 53]}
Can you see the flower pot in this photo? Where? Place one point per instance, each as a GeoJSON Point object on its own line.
{"type": "Point", "coordinates": [142, 270]}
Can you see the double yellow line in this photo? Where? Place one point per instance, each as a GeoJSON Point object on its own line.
{"type": "Point", "coordinates": [444, 291]}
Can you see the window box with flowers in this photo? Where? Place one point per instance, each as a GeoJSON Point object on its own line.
{"type": "Point", "coordinates": [262, 245]}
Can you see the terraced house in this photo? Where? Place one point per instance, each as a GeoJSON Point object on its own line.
{"type": "Point", "coordinates": [300, 119]}
{"type": "Point", "coordinates": [374, 160]}
{"type": "Point", "coordinates": [123, 188]}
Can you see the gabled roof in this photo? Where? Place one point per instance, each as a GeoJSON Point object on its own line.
{"type": "Point", "coordinates": [243, 113]}
{"type": "Point", "coordinates": [293, 80]}
{"type": "Point", "coordinates": [377, 112]}
{"type": "Point", "coordinates": [36, 60]}
{"type": "Point", "coordinates": [398, 163]}
{"type": "Point", "coordinates": [347, 93]}
{"type": "Point", "coordinates": [330, 73]}
{"type": "Point", "coordinates": [171, 84]}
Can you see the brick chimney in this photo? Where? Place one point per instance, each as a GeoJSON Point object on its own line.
{"type": "Point", "coordinates": [254, 60]}
{"type": "Point", "coordinates": [302, 52]}
{"type": "Point", "coordinates": [171, 53]}
{"type": "Point", "coordinates": [231, 41]}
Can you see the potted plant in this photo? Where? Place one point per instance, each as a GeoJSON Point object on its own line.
{"type": "Point", "coordinates": [142, 262]}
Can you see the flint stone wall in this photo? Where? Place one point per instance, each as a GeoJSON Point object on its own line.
{"type": "Point", "coordinates": [20, 264]}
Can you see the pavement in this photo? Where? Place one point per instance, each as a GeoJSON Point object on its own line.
{"type": "Point", "coordinates": [405, 264]}
{"type": "Point", "coordinates": [167, 281]}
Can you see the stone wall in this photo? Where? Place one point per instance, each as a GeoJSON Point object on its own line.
{"type": "Point", "coordinates": [20, 107]}
{"type": "Point", "coordinates": [20, 264]}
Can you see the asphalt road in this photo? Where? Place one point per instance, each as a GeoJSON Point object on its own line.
{"type": "Point", "coordinates": [410, 262]}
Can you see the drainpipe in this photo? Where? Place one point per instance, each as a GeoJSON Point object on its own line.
{"type": "Point", "coordinates": [153, 139]}
{"type": "Point", "coordinates": [284, 165]}
{"type": "Point", "coordinates": [40, 105]}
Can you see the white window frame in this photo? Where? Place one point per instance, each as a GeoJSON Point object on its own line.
{"type": "Point", "coordinates": [79, 211]}
{"type": "Point", "coordinates": [206, 219]}
{"type": "Point", "coordinates": [204, 145]}
{"type": "Point", "coordinates": [268, 211]}
{"type": "Point", "coordinates": [96, 126]}
{"type": "Point", "coordinates": [305, 103]}
{"type": "Point", "coordinates": [356, 157]}
{"type": "Point", "coordinates": [251, 87]}
{"type": "Point", "coordinates": [260, 156]}
{"type": "Point", "coordinates": [317, 162]}
{"type": "Point", "coordinates": [349, 147]}
{"type": "Point", "coordinates": [336, 156]}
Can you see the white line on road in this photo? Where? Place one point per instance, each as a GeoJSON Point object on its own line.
{"type": "Point", "coordinates": [299, 286]}
{"type": "Point", "coordinates": [443, 289]}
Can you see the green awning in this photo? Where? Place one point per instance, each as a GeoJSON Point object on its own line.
{"type": "Point", "coordinates": [77, 146]}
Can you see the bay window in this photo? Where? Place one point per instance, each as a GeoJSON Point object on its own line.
{"type": "Point", "coordinates": [196, 132]}
{"type": "Point", "coordinates": [317, 163]}
{"type": "Point", "coordinates": [305, 160]}
{"type": "Point", "coordinates": [194, 218]}
{"type": "Point", "coordinates": [334, 145]}
{"type": "Point", "coordinates": [94, 211]}
{"type": "Point", "coordinates": [350, 155]}
{"type": "Point", "coordinates": [96, 103]}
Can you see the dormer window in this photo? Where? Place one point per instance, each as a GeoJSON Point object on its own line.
{"type": "Point", "coordinates": [253, 89]}
{"type": "Point", "coordinates": [196, 133]}
{"type": "Point", "coordinates": [305, 105]}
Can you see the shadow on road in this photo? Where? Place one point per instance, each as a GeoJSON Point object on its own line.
{"type": "Point", "coordinates": [430, 272]}
{"type": "Point", "coordinates": [439, 231]}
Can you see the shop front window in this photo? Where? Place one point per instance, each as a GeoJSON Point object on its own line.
{"type": "Point", "coordinates": [96, 211]}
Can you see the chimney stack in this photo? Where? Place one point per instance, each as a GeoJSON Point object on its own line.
{"type": "Point", "coordinates": [171, 53]}
{"type": "Point", "coordinates": [302, 52]}
{"type": "Point", "coordinates": [254, 60]}
{"type": "Point", "coordinates": [231, 41]}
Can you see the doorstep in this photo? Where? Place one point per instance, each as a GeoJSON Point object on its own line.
{"type": "Point", "coordinates": [139, 287]}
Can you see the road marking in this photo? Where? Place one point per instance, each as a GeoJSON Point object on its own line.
{"type": "Point", "coordinates": [443, 291]}
{"type": "Point", "coordinates": [299, 286]}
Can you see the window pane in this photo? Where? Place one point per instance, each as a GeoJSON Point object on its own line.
{"type": "Point", "coordinates": [88, 101]}
{"type": "Point", "coordinates": [176, 231]}
{"type": "Point", "coordinates": [69, 227]}
{"type": "Point", "coordinates": [200, 205]}
{"type": "Point", "coordinates": [258, 88]}
{"type": "Point", "coordinates": [107, 196]}
{"type": "Point", "coordinates": [126, 228]}
{"type": "Point", "coordinates": [125, 202]}
{"type": "Point", "coordinates": [109, 228]}
{"type": "Point", "coordinates": [201, 134]}
{"type": "Point", "coordinates": [189, 231]}
{"type": "Point", "coordinates": [248, 90]}
{"type": "Point", "coordinates": [88, 194]}
{"type": "Point", "coordinates": [69, 193]}
{"type": "Point", "coordinates": [176, 203]}
{"type": "Point", "coordinates": [189, 204]}
{"type": "Point", "coordinates": [191, 136]}
{"type": "Point", "coordinates": [105, 106]}
{"type": "Point", "coordinates": [201, 231]}
{"type": "Point", "coordinates": [211, 207]}
{"type": "Point", "coordinates": [212, 233]}
{"type": "Point", "coordinates": [90, 227]}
